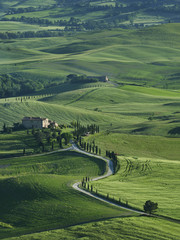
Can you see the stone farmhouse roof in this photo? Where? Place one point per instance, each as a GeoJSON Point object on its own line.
{"type": "Point", "coordinates": [33, 118]}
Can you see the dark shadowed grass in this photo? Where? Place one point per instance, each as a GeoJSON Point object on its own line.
{"type": "Point", "coordinates": [36, 193]}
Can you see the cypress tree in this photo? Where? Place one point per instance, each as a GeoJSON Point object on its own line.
{"type": "Point", "coordinates": [60, 142]}
{"type": "Point", "coordinates": [96, 149]}
{"type": "Point", "coordinates": [93, 148]}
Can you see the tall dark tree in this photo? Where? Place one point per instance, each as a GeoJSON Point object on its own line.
{"type": "Point", "coordinates": [150, 206]}
{"type": "Point", "coordinates": [96, 150]}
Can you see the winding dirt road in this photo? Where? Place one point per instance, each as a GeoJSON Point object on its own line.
{"type": "Point", "coordinates": [109, 173]}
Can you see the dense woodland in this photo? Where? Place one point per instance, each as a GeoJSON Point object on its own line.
{"type": "Point", "coordinates": [14, 85]}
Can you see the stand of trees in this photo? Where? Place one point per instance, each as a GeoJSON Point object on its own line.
{"type": "Point", "coordinates": [31, 34]}
{"type": "Point", "coordinates": [92, 148]}
{"type": "Point", "coordinates": [12, 85]}
{"type": "Point", "coordinates": [28, 9]}
{"type": "Point", "coordinates": [50, 137]}
{"type": "Point", "coordinates": [81, 130]}
{"type": "Point", "coordinates": [74, 78]}
{"type": "Point", "coordinates": [43, 21]}
{"type": "Point", "coordinates": [114, 159]}
{"type": "Point", "coordinates": [87, 185]}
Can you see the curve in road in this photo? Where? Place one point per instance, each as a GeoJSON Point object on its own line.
{"type": "Point", "coordinates": [109, 173]}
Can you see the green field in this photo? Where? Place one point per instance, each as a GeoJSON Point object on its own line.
{"type": "Point", "coordinates": [13, 144]}
{"type": "Point", "coordinates": [36, 193]}
{"type": "Point", "coordinates": [134, 110]}
{"type": "Point", "coordinates": [120, 228]}
{"type": "Point", "coordinates": [137, 145]}
{"type": "Point", "coordinates": [21, 27]}
{"type": "Point", "coordinates": [147, 57]}
{"type": "Point", "coordinates": [141, 179]}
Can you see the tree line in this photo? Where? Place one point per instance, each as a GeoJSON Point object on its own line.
{"type": "Point", "coordinates": [50, 137]}
{"type": "Point", "coordinates": [74, 78]}
{"type": "Point", "coordinates": [92, 148]}
{"type": "Point", "coordinates": [12, 85]}
{"type": "Point", "coordinates": [81, 130]}
{"type": "Point", "coordinates": [11, 11]}
{"type": "Point", "coordinates": [32, 34]}
{"type": "Point", "coordinates": [42, 21]}
{"type": "Point", "coordinates": [113, 157]}
{"type": "Point", "coordinates": [149, 206]}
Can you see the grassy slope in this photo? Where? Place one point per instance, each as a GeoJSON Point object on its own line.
{"type": "Point", "coordinates": [36, 194]}
{"type": "Point", "coordinates": [21, 27]}
{"type": "Point", "coordinates": [149, 56]}
{"type": "Point", "coordinates": [122, 228]}
{"type": "Point", "coordinates": [116, 109]}
{"type": "Point", "coordinates": [142, 179]}
{"type": "Point", "coordinates": [12, 144]}
{"type": "Point", "coordinates": [138, 145]}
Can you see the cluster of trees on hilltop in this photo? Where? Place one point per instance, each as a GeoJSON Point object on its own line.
{"type": "Point", "coordinates": [74, 78]}
{"type": "Point", "coordinates": [50, 137]}
{"type": "Point", "coordinates": [81, 130]}
{"type": "Point", "coordinates": [43, 21]}
{"type": "Point", "coordinates": [31, 34]}
{"type": "Point", "coordinates": [76, 23]}
{"type": "Point", "coordinates": [14, 85]}
{"type": "Point", "coordinates": [28, 9]}
{"type": "Point", "coordinates": [10, 86]}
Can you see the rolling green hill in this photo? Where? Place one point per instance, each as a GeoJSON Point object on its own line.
{"type": "Point", "coordinates": [128, 109]}
{"type": "Point", "coordinates": [36, 193]}
{"type": "Point", "coordinates": [140, 179]}
{"type": "Point", "coordinates": [41, 42]}
{"type": "Point", "coordinates": [122, 228]}
{"type": "Point", "coordinates": [147, 57]}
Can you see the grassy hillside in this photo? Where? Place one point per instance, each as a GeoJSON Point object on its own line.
{"type": "Point", "coordinates": [137, 145]}
{"type": "Point", "coordinates": [138, 114]}
{"type": "Point", "coordinates": [17, 26]}
{"type": "Point", "coordinates": [142, 179]}
{"type": "Point", "coordinates": [119, 228]}
{"type": "Point", "coordinates": [147, 57]}
{"type": "Point", "coordinates": [13, 144]}
{"type": "Point", "coordinates": [136, 110]}
{"type": "Point", "coordinates": [36, 193]}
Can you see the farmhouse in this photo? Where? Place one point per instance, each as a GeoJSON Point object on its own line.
{"type": "Point", "coordinates": [38, 122]}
